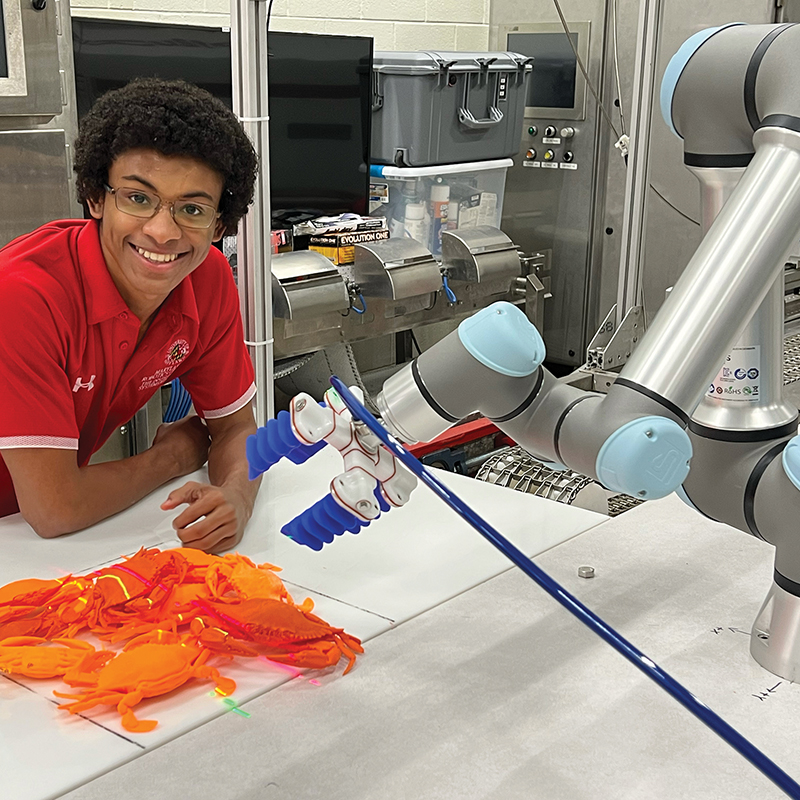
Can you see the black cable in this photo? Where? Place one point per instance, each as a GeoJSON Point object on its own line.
{"type": "Point", "coordinates": [415, 342]}
{"type": "Point", "coordinates": [674, 207]}
{"type": "Point", "coordinates": [269, 12]}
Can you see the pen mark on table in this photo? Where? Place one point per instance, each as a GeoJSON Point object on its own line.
{"type": "Point", "coordinates": [338, 600]}
{"type": "Point", "coordinates": [764, 695]}
{"type": "Point", "coordinates": [82, 716]}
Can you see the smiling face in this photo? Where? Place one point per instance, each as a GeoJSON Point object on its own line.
{"type": "Point", "coordinates": [148, 258]}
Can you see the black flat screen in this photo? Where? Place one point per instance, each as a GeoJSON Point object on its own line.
{"type": "Point", "coordinates": [552, 84]}
{"type": "Point", "coordinates": [320, 110]}
{"type": "Point", "coordinates": [3, 54]}
{"type": "Point", "coordinates": [319, 100]}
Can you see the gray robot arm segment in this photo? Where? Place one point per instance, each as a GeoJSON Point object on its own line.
{"type": "Point", "coordinates": [626, 439]}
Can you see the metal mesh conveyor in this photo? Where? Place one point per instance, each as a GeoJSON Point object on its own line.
{"type": "Point", "coordinates": [791, 359]}
{"type": "Point", "coordinates": [516, 469]}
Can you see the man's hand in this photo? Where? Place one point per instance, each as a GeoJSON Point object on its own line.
{"type": "Point", "coordinates": [185, 442]}
{"type": "Point", "coordinates": [214, 519]}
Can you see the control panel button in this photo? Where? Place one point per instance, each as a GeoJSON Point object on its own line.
{"type": "Point", "coordinates": [531, 154]}
{"type": "Point", "coordinates": [533, 130]}
{"type": "Point", "coordinates": [567, 133]}
{"type": "Point", "coordinates": [549, 155]}
{"type": "Point", "coordinates": [549, 132]}
{"type": "Point", "coordinates": [568, 156]}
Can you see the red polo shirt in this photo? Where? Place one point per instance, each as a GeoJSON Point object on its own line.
{"type": "Point", "coordinates": [70, 370]}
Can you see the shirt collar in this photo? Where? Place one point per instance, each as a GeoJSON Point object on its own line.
{"type": "Point", "coordinates": [103, 300]}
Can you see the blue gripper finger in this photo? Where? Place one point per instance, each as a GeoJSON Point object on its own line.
{"type": "Point", "coordinates": [304, 452]}
{"type": "Point", "coordinates": [320, 523]}
{"type": "Point", "coordinates": [254, 461]}
{"type": "Point", "coordinates": [275, 440]}
{"type": "Point", "coordinates": [297, 533]}
{"type": "Point", "coordinates": [328, 512]}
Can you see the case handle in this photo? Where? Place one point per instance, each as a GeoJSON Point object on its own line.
{"type": "Point", "coordinates": [468, 119]}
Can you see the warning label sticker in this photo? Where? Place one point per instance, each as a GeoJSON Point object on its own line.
{"type": "Point", "coordinates": [739, 380]}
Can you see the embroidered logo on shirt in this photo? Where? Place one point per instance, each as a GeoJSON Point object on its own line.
{"type": "Point", "coordinates": [177, 351]}
{"type": "Point", "coordinates": [79, 384]}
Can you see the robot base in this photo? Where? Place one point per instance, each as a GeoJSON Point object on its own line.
{"type": "Point", "coordinates": [775, 638]}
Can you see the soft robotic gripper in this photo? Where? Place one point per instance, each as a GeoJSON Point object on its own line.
{"type": "Point", "coordinates": [373, 480]}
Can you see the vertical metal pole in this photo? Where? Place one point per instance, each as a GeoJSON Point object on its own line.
{"type": "Point", "coordinates": [629, 287]}
{"type": "Point", "coordinates": [251, 104]}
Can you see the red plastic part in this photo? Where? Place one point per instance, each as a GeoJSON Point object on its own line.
{"type": "Point", "coordinates": [460, 434]}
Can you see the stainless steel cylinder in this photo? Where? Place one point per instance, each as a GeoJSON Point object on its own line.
{"type": "Point", "coordinates": [728, 278]}
{"type": "Point", "coordinates": [752, 400]}
{"type": "Point", "coordinates": [775, 637]}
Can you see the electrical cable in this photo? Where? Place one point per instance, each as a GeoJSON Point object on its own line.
{"type": "Point", "coordinates": [415, 342]}
{"type": "Point", "coordinates": [451, 295]}
{"type": "Point", "coordinates": [735, 739]}
{"type": "Point", "coordinates": [583, 69]}
{"type": "Point", "coordinates": [674, 207]}
{"type": "Point", "coordinates": [616, 69]}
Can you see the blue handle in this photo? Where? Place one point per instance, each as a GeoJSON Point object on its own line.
{"type": "Point", "coordinates": [572, 604]}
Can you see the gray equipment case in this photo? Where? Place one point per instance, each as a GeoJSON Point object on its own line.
{"type": "Point", "coordinates": [446, 108]}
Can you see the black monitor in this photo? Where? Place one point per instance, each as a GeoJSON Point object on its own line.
{"type": "Point", "coordinates": [3, 56]}
{"type": "Point", "coordinates": [320, 104]}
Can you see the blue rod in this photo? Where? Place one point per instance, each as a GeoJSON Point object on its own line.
{"type": "Point", "coordinates": [572, 604]}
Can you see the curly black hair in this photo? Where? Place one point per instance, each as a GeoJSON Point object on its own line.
{"type": "Point", "coordinates": [174, 118]}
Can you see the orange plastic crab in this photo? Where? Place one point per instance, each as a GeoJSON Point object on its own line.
{"type": "Point", "coordinates": [148, 666]}
{"type": "Point", "coordinates": [26, 655]}
{"type": "Point", "coordinates": [291, 633]}
{"type": "Point", "coordinates": [230, 605]}
{"type": "Point", "coordinates": [244, 580]}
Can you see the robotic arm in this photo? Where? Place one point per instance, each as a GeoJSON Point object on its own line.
{"type": "Point", "coordinates": [728, 94]}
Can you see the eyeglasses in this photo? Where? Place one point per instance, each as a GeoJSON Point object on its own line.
{"type": "Point", "coordinates": [186, 213]}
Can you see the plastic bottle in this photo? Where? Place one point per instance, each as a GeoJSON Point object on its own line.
{"type": "Point", "coordinates": [440, 202]}
{"type": "Point", "coordinates": [415, 227]}
{"type": "Point", "coordinates": [452, 216]}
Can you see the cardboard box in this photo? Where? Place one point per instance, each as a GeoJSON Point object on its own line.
{"type": "Point", "coordinates": [340, 224]}
{"type": "Point", "coordinates": [340, 247]}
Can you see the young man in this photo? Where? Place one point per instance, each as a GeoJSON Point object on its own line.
{"type": "Point", "coordinates": [96, 315]}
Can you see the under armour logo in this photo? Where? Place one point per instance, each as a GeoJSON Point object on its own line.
{"type": "Point", "coordinates": [79, 384]}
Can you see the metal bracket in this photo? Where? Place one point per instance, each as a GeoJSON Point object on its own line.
{"type": "Point", "coordinates": [534, 285]}
{"type": "Point", "coordinates": [613, 344]}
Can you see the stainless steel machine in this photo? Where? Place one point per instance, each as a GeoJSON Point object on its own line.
{"type": "Point", "coordinates": [37, 115]}
{"type": "Point", "coordinates": [566, 191]}
{"type": "Point", "coordinates": [397, 284]}
{"type": "Point", "coordinates": [38, 123]}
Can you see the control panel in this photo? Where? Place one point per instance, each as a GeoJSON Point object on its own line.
{"type": "Point", "coordinates": [551, 192]}
{"type": "Point", "coordinates": [549, 147]}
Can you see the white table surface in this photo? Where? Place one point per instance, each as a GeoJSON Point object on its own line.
{"type": "Point", "coordinates": [500, 693]}
{"type": "Point", "coordinates": [408, 562]}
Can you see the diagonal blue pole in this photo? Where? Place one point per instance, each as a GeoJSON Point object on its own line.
{"type": "Point", "coordinates": [572, 604]}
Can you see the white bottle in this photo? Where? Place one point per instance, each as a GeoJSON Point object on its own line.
{"type": "Point", "coordinates": [452, 216]}
{"type": "Point", "coordinates": [415, 222]}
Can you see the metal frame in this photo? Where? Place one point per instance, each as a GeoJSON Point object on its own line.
{"type": "Point", "coordinates": [15, 85]}
{"type": "Point", "coordinates": [251, 104]}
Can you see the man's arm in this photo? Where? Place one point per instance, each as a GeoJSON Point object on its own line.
{"type": "Point", "coordinates": [56, 496]}
{"type": "Point", "coordinates": [217, 514]}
